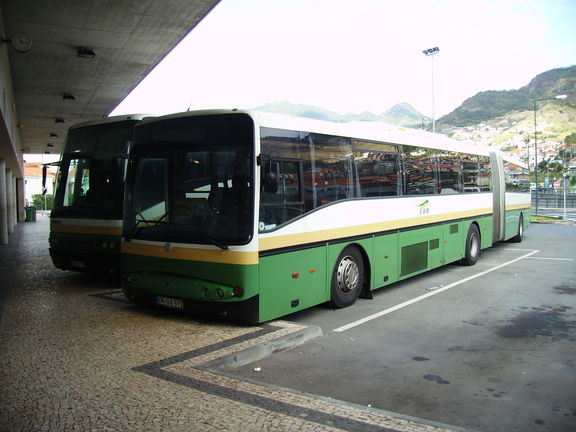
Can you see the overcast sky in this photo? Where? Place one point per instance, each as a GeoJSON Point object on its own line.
{"type": "Point", "coordinates": [358, 55]}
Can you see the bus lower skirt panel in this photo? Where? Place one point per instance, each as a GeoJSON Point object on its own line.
{"type": "Point", "coordinates": [246, 311]}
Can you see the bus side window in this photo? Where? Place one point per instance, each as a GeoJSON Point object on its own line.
{"type": "Point", "coordinates": [332, 172]}
{"type": "Point", "coordinates": [377, 173]}
{"type": "Point", "coordinates": [484, 174]}
{"type": "Point", "coordinates": [449, 174]}
{"type": "Point", "coordinates": [420, 171]}
{"type": "Point", "coordinates": [281, 198]}
{"type": "Point", "coordinates": [470, 173]}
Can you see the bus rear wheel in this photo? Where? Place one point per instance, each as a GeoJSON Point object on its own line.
{"type": "Point", "coordinates": [347, 277]}
{"type": "Point", "coordinates": [472, 251]}
{"type": "Point", "coordinates": [518, 237]}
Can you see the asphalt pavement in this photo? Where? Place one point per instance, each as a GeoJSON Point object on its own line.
{"type": "Point", "coordinates": [489, 347]}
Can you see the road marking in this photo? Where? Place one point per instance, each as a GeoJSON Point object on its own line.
{"type": "Point", "coordinates": [430, 294]}
{"type": "Point", "coordinates": [552, 259]}
{"type": "Point", "coordinates": [539, 258]}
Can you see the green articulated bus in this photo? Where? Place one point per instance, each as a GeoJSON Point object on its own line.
{"type": "Point", "coordinates": [253, 216]}
{"type": "Point", "coordinates": [86, 221]}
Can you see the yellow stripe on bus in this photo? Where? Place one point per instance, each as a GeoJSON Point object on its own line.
{"type": "Point", "coordinates": [190, 254]}
{"type": "Point", "coordinates": [517, 207]}
{"type": "Point", "coordinates": [269, 243]}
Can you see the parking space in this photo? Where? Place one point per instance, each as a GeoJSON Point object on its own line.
{"type": "Point", "coordinates": [488, 347]}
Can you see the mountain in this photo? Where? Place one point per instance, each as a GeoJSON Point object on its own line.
{"type": "Point", "coordinates": [492, 104]}
{"type": "Point", "coordinates": [501, 118]}
{"type": "Point", "coordinates": [508, 119]}
{"type": "Point", "coordinates": [402, 114]}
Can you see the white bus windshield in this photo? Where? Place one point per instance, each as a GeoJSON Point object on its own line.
{"type": "Point", "coordinates": [91, 175]}
{"type": "Point", "coordinates": [191, 180]}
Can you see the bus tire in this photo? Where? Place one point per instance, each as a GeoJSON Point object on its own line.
{"type": "Point", "coordinates": [347, 278]}
{"type": "Point", "coordinates": [472, 246]}
{"type": "Point", "coordinates": [518, 237]}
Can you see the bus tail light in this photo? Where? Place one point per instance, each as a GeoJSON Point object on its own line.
{"type": "Point", "coordinates": [238, 291]}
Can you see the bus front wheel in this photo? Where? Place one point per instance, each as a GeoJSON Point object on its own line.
{"type": "Point", "coordinates": [472, 251]}
{"type": "Point", "coordinates": [347, 277]}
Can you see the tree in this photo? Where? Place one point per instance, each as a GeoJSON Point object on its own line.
{"type": "Point", "coordinates": [40, 203]}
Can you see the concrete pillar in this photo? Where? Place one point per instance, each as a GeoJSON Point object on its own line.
{"type": "Point", "coordinates": [10, 210]}
{"type": "Point", "coordinates": [3, 214]}
{"type": "Point", "coordinates": [20, 194]}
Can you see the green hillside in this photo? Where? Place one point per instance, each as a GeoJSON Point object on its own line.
{"type": "Point", "coordinates": [492, 104]}
{"type": "Point", "coordinates": [502, 118]}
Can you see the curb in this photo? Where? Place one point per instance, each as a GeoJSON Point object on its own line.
{"type": "Point", "coordinates": [262, 350]}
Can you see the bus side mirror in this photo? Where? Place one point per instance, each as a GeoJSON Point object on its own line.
{"type": "Point", "coordinates": [270, 177]}
{"type": "Point", "coordinates": [270, 182]}
{"type": "Point", "coordinates": [119, 168]}
{"type": "Point", "coordinates": [44, 175]}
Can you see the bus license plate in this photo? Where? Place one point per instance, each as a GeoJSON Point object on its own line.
{"type": "Point", "coordinates": [170, 302]}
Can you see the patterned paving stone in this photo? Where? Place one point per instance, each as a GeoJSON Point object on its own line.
{"type": "Point", "coordinates": [76, 357]}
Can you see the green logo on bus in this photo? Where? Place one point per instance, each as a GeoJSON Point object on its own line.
{"type": "Point", "coordinates": [424, 207]}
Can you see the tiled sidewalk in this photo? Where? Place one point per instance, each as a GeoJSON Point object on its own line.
{"type": "Point", "coordinates": [75, 356]}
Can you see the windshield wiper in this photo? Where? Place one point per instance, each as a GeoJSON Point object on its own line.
{"type": "Point", "coordinates": [136, 227]}
{"type": "Point", "coordinates": [208, 237]}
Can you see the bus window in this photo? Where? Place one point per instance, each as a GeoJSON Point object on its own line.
{"type": "Point", "coordinates": [420, 171]}
{"type": "Point", "coordinates": [78, 183]}
{"type": "Point", "coordinates": [377, 173]}
{"type": "Point", "coordinates": [484, 180]}
{"type": "Point", "coordinates": [284, 202]}
{"type": "Point", "coordinates": [332, 175]}
{"type": "Point", "coordinates": [470, 172]}
{"type": "Point", "coordinates": [284, 156]}
{"type": "Point", "coordinates": [150, 192]}
{"type": "Point", "coordinates": [449, 174]}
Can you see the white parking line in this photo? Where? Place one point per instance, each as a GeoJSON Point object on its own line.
{"type": "Point", "coordinates": [552, 259]}
{"type": "Point", "coordinates": [538, 258]}
{"type": "Point", "coordinates": [430, 294]}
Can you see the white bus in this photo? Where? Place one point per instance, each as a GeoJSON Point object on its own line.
{"type": "Point", "coordinates": [254, 216]}
{"type": "Point", "coordinates": [86, 221]}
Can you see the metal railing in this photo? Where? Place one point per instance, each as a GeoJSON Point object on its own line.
{"type": "Point", "coordinates": [554, 200]}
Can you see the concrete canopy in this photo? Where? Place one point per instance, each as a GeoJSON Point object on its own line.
{"type": "Point", "coordinates": [128, 38]}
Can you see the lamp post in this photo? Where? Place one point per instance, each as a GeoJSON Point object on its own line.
{"type": "Point", "coordinates": [536, 143]}
{"type": "Point", "coordinates": [564, 179]}
{"type": "Point", "coordinates": [430, 52]}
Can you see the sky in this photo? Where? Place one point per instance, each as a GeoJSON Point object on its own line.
{"type": "Point", "coordinates": [358, 55]}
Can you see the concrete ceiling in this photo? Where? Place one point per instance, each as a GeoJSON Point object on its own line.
{"type": "Point", "coordinates": [128, 38]}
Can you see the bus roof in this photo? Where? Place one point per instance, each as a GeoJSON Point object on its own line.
{"type": "Point", "coordinates": [369, 131]}
{"type": "Point", "coordinates": [113, 119]}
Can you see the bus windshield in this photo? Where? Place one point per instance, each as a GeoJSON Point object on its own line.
{"type": "Point", "coordinates": [91, 174]}
{"type": "Point", "coordinates": [190, 180]}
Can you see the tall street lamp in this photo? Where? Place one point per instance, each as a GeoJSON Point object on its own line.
{"type": "Point", "coordinates": [536, 143]}
{"type": "Point", "coordinates": [430, 52]}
